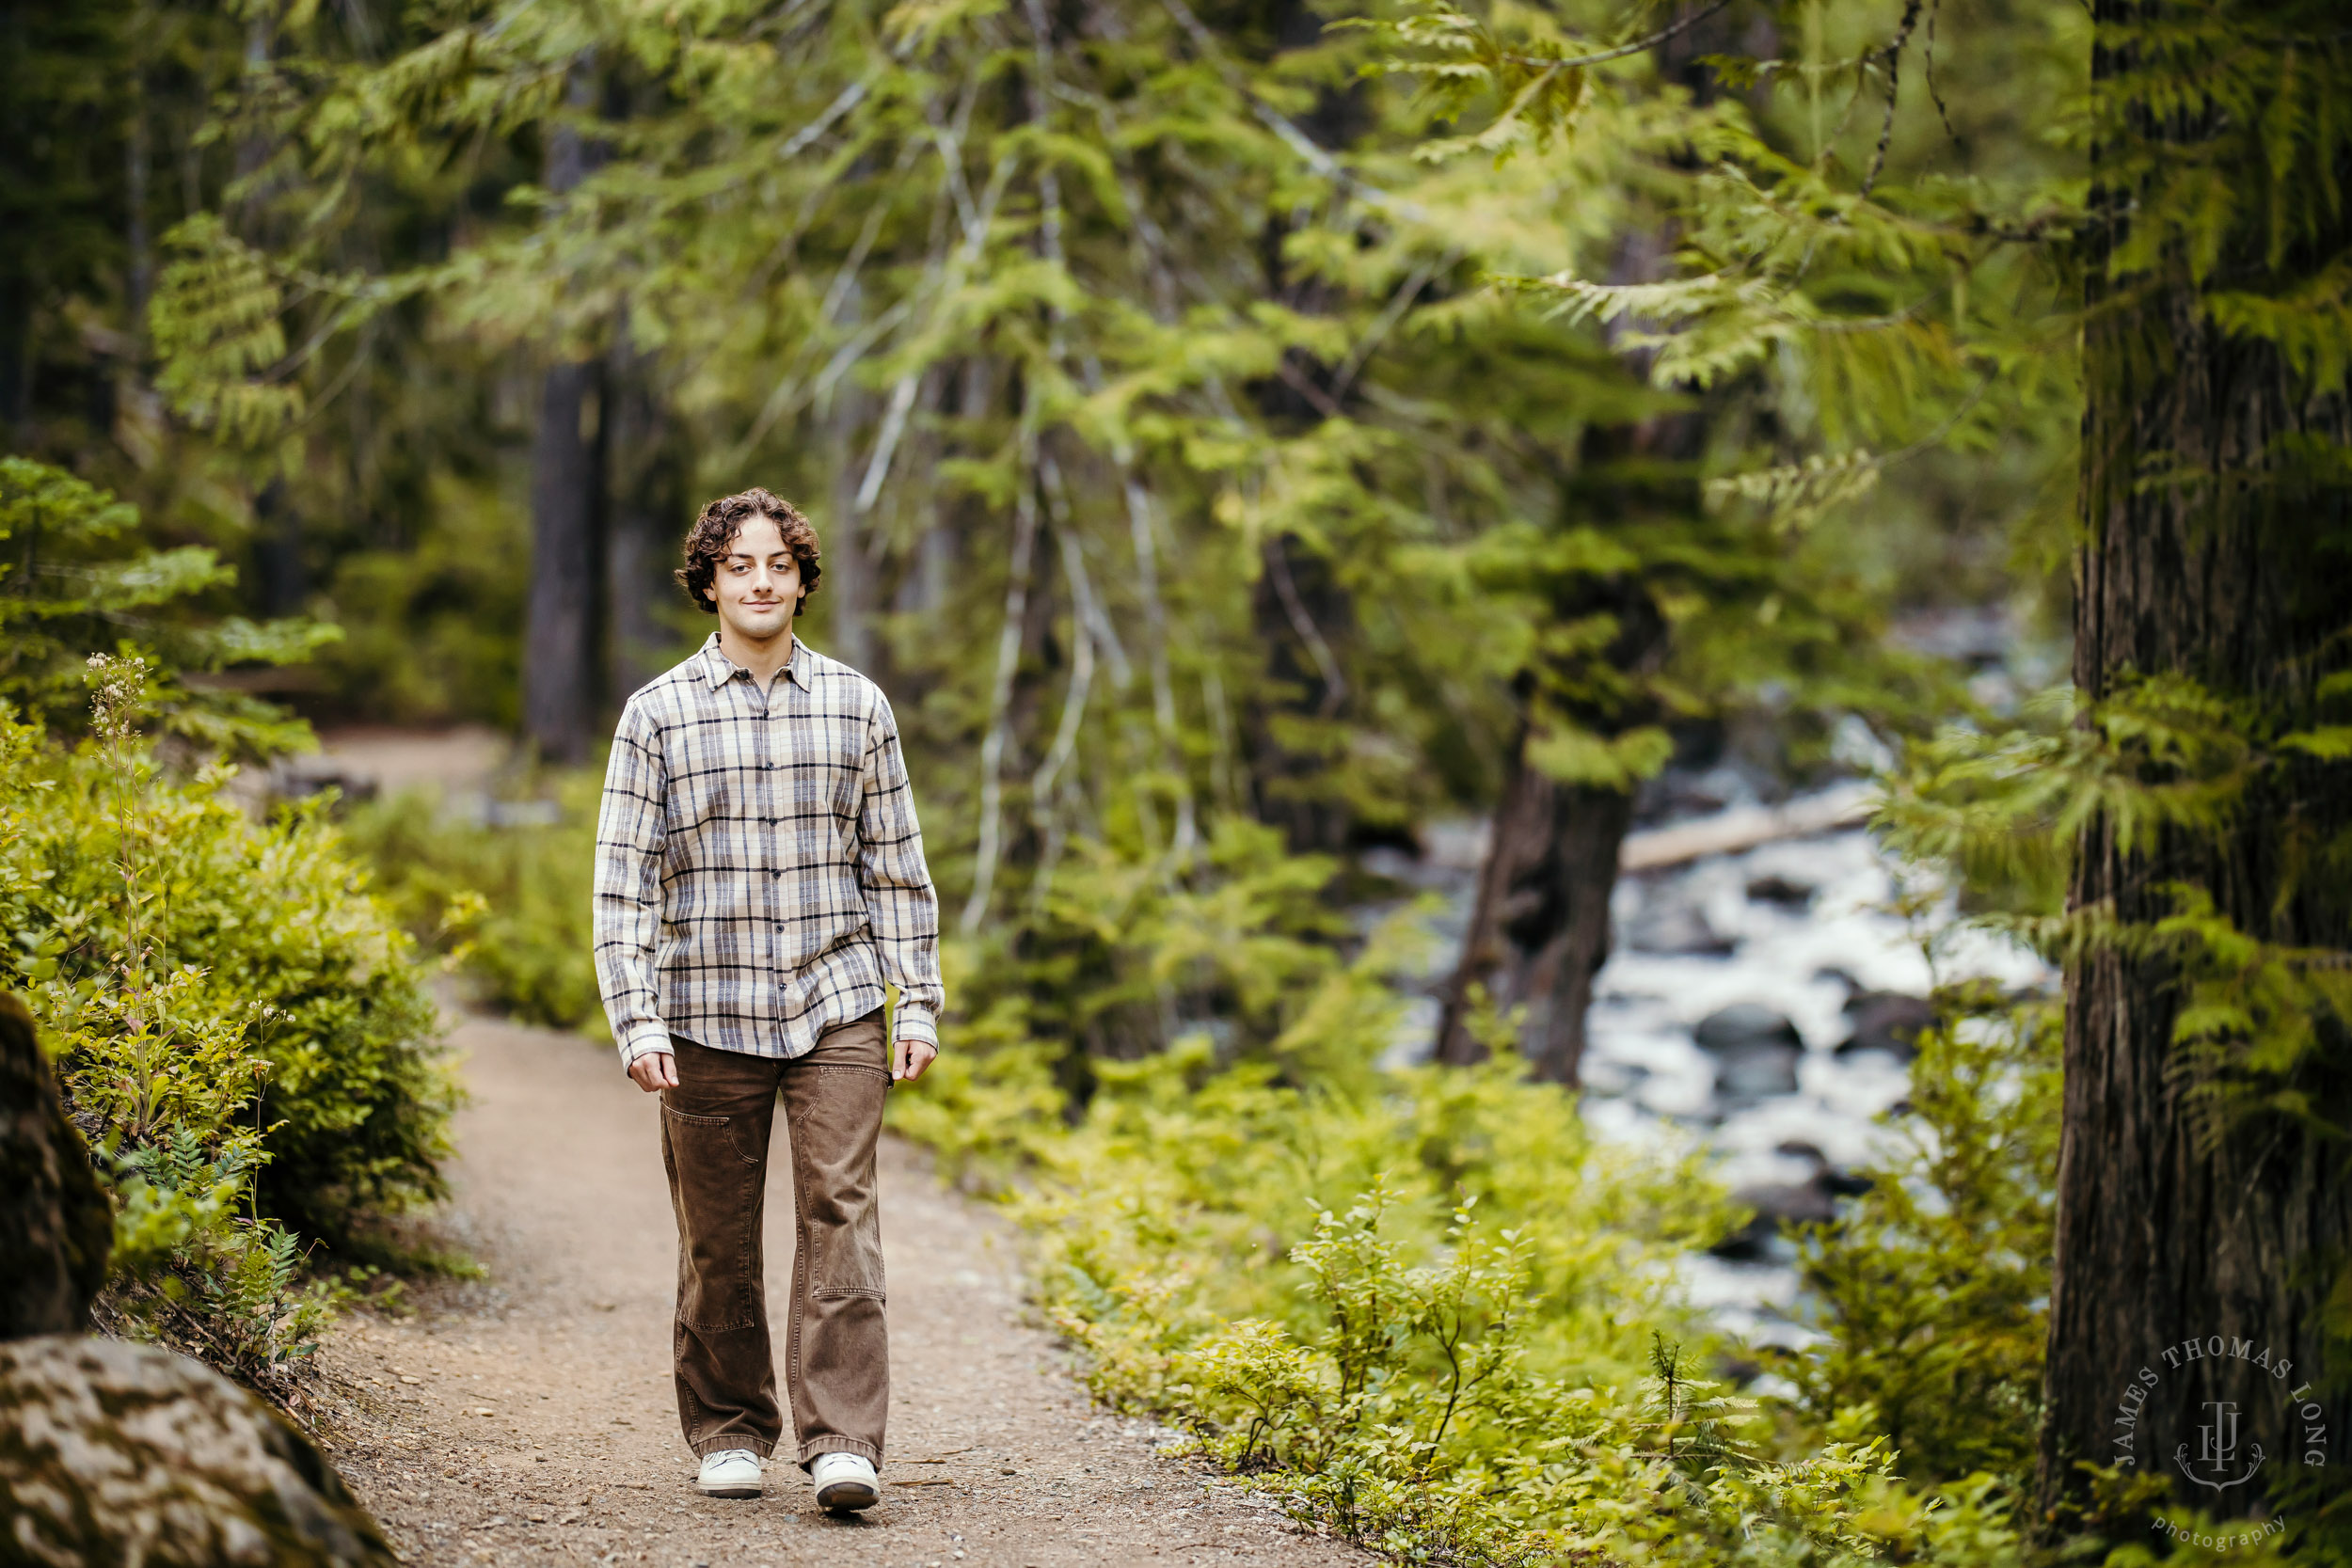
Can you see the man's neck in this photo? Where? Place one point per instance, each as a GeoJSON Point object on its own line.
{"type": "Point", "coordinates": [763, 657]}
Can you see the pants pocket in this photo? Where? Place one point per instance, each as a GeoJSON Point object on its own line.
{"type": "Point", "coordinates": [716, 1189]}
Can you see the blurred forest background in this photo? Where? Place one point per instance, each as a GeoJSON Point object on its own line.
{"type": "Point", "coordinates": [1259, 446]}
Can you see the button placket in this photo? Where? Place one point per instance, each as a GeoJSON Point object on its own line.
{"type": "Point", "coordinates": [769, 809]}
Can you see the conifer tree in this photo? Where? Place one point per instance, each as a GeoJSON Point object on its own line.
{"type": "Point", "coordinates": [2203, 1183]}
{"type": "Point", "coordinates": [2200, 794]}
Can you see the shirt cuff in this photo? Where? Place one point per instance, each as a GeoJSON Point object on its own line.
{"type": "Point", "coordinates": [644, 1043]}
{"type": "Point", "coordinates": [915, 1022]}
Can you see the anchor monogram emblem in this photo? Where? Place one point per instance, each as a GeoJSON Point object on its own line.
{"type": "Point", "coordinates": [2217, 1450]}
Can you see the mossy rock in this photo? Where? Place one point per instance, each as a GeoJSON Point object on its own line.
{"type": "Point", "coordinates": [115, 1453]}
{"type": "Point", "coordinates": [56, 1225]}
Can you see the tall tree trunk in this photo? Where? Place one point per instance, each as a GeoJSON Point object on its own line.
{"type": "Point", "coordinates": [561, 614]}
{"type": "Point", "coordinates": [2168, 1232]}
{"type": "Point", "coordinates": [646, 520]}
{"type": "Point", "coordinates": [1539, 928]}
{"type": "Point", "coordinates": [285, 579]}
{"type": "Point", "coordinates": [560, 617]}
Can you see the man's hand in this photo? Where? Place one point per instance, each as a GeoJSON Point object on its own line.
{"type": "Point", "coordinates": [908, 1058]}
{"type": "Point", "coordinates": [655, 1070]}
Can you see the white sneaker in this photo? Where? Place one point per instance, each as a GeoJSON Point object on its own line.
{"type": "Point", "coordinates": [729, 1473]}
{"type": "Point", "coordinates": [845, 1481]}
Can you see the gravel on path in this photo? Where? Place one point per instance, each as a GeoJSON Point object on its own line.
{"type": "Point", "coordinates": [529, 1418]}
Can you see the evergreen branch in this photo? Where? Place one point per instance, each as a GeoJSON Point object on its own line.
{"type": "Point", "coordinates": [1935, 94]}
{"type": "Point", "coordinates": [1799, 493]}
{"type": "Point", "coordinates": [1398, 304]}
{"type": "Point", "coordinates": [1292, 136]}
{"type": "Point", "coordinates": [850, 97]}
{"type": "Point", "coordinates": [1894, 56]}
{"type": "Point", "coordinates": [1636, 47]}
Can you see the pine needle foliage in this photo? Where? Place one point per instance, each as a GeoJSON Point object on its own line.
{"type": "Point", "coordinates": [1155, 323]}
{"type": "Point", "coordinates": [81, 575]}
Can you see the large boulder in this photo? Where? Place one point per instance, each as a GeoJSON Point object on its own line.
{"type": "Point", "coordinates": [117, 1454]}
{"type": "Point", "coordinates": [122, 1454]}
{"type": "Point", "coordinates": [55, 1225]}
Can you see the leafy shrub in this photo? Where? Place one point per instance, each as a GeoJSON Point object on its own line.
{"type": "Point", "coordinates": [1437, 1318]}
{"type": "Point", "coordinates": [510, 903]}
{"type": "Point", "coordinates": [1931, 1283]}
{"type": "Point", "coordinates": [1428, 1309]}
{"type": "Point", "coordinates": [240, 1028]}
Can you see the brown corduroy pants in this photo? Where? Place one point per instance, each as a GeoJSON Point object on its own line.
{"type": "Point", "coordinates": [715, 1129]}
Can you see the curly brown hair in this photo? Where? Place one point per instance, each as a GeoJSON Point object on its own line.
{"type": "Point", "coordinates": [720, 521]}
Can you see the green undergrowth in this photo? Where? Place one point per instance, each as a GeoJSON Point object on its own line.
{"type": "Point", "coordinates": [1425, 1308]}
{"type": "Point", "coordinates": [507, 903]}
{"type": "Point", "coordinates": [242, 1033]}
{"type": "Point", "coordinates": [1432, 1313]}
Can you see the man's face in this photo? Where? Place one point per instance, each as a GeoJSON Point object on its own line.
{"type": "Point", "coordinates": [756, 585]}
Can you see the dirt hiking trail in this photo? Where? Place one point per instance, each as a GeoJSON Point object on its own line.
{"type": "Point", "coordinates": [529, 1418]}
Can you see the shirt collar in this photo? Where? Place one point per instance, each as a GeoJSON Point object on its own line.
{"type": "Point", "coordinates": [718, 669]}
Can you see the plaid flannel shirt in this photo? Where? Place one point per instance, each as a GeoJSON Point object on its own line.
{"type": "Point", "coordinates": [759, 870]}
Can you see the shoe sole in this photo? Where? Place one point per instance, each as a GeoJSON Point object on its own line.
{"type": "Point", "coordinates": [845, 1496]}
{"type": "Point", "coordinates": [727, 1491]}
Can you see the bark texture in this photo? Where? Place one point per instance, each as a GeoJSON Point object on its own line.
{"type": "Point", "coordinates": [1539, 929]}
{"type": "Point", "coordinates": [2241, 582]}
{"type": "Point", "coordinates": [560, 614]}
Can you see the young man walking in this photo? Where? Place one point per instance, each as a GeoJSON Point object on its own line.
{"type": "Point", "coordinates": [759, 877]}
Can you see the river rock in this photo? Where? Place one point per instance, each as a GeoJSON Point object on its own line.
{"type": "Point", "coordinates": [1778, 1206]}
{"type": "Point", "coordinates": [1886, 1020]}
{"type": "Point", "coordinates": [122, 1454]}
{"type": "Point", "coordinates": [1755, 1052]}
{"type": "Point", "coordinates": [1669, 920]}
{"type": "Point", "coordinates": [56, 1226]}
{"type": "Point", "coordinates": [1745, 1026]}
{"type": "Point", "coordinates": [1837, 1183]}
{"type": "Point", "coordinates": [1756, 1073]}
{"type": "Point", "coordinates": [1784, 891]}
{"type": "Point", "coordinates": [1781, 1206]}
